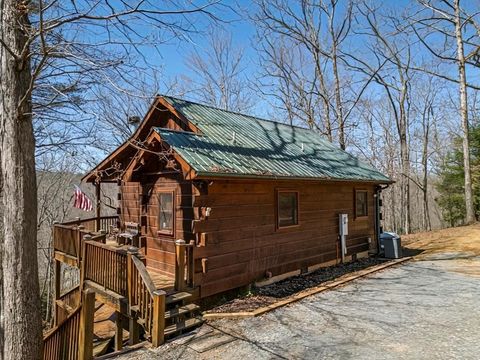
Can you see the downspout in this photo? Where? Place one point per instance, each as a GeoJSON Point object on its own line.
{"type": "Point", "coordinates": [378, 228]}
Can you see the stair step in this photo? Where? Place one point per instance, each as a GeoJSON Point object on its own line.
{"type": "Point", "coordinates": [187, 324]}
{"type": "Point", "coordinates": [177, 297]}
{"type": "Point", "coordinates": [181, 310]}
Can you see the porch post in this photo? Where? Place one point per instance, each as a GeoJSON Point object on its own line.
{"type": "Point", "coordinates": [158, 331]}
{"type": "Point", "coordinates": [58, 269]}
{"type": "Point", "coordinates": [85, 336]}
{"type": "Point", "coordinates": [98, 206]}
{"type": "Point", "coordinates": [180, 265]}
{"type": "Point", "coordinates": [118, 331]}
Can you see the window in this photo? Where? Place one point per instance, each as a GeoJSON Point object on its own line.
{"type": "Point", "coordinates": [166, 212]}
{"type": "Point", "coordinates": [287, 208]}
{"type": "Point", "coordinates": [361, 203]}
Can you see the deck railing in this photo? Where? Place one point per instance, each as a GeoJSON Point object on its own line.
{"type": "Point", "coordinates": [66, 304]}
{"type": "Point", "coordinates": [106, 266]}
{"type": "Point", "coordinates": [62, 341]}
{"type": "Point", "coordinates": [184, 265]}
{"type": "Point", "coordinates": [67, 236]}
{"type": "Point", "coordinates": [145, 300]}
{"type": "Point", "coordinates": [90, 223]}
{"type": "Point", "coordinates": [71, 298]}
{"type": "Point", "coordinates": [107, 221]}
{"type": "Point", "coordinates": [73, 337]}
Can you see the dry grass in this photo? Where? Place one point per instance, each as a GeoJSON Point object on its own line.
{"type": "Point", "coordinates": [465, 239]}
{"type": "Point", "coordinates": [460, 244]}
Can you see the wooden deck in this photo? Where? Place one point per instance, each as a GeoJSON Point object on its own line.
{"type": "Point", "coordinates": [161, 281]}
{"type": "Point", "coordinates": [104, 328]}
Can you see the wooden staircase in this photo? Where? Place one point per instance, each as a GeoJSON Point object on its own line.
{"type": "Point", "coordinates": [72, 338]}
{"type": "Point", "coordinates": [159, 314]}
{"type": "Point", "coordinates": [116, 276]}
{"type": "Point", "coordinates": [180, 315]}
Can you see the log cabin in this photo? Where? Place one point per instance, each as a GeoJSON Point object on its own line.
{"type": "Point", "coordinates": [217, 200]}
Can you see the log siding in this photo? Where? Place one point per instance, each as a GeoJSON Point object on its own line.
{"type": "Point", "coordinates": [243, 242]}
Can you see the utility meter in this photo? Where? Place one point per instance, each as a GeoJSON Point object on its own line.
{"type": "Point", "coordinates": [343, 218]}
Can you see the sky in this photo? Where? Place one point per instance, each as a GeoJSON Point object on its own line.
{"type": "Point", "coordinates": [169, 60]}
{"type": "Point", "coordinates": [172, 60]}
{"type": "Point", "coordinates": [174, 55]}
{"type": "Point", "coordinates": [242, 33]}
{"type": "Point", "coordinates": [237, 24]}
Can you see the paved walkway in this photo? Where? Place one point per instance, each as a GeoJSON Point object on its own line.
{"type": "Point", "coordinates": [427, 309]}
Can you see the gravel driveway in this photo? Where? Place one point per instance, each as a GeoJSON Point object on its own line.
{"type": "Point", "coordinates": [427, 309]}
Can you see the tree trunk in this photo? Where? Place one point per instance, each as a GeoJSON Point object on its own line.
{"type": "Point", "coordinates": [426, 137]}
{"type": "Point", "coordinates": [323, 88]}
{"type": "Point", "coordinates": [405, 159]}
{"type": "Point", "coordinates": [470, 214]}
{"type": "Point", "coordinates": [338, 95]}
{"type": "Point", "coordinates": [339, 105]}
{"type": "Point", "coordinates": [21, 302]}
{"type": "Point", "coordinates": [2, 235]}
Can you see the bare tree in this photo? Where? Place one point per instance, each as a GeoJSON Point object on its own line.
{"type": "Point", "coordinates": [290, 37]}
{"type": "Point", "coordinates": [55, 180]}
{"type": "Point", "coordinates": [394, 49]}
{"type": "Point", "coordinates": [286, 79]}
{"type": "Point", "coordinates": [457, 30]}
{"type": "Point", "coordinates": [376, 141]}
{"type": "Point", "coordinates": [21, 318]}
{"type": "Point", "coordinates": [428, 110]}
{"type": "Point", "coordinates": [34, 38]}
{"type": "Point", "coordinates": [219, 74]}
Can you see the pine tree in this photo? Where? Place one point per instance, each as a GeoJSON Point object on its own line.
{"type": "Point", "coordinates": [451, 185]}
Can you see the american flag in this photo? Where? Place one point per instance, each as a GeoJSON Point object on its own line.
{"type": "Point", "coordinates": [81, 200]}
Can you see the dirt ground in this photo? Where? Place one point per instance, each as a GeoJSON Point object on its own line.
{"type": "Point", "coordinates": [465, 239]}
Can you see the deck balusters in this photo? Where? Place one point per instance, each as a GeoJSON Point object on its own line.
{"type": "Point", "coordinates": [144, 299]}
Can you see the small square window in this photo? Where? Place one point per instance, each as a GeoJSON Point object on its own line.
{"type": "Point", "coordinates": [361, 203]}
{"type": "Point", "coordinates": [287, 211]}
{"type": "Point", "coordinates": [166, 212]}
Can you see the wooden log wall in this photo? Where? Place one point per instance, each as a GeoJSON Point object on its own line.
{"type": "Point", "coordinates": [130, 207]}
{"type": "Point", "coordinates": [242, 242]}
{"type": "Point", "coordinates": [160, 253]}
{"type": "Point", "coordinates": [139, 199]}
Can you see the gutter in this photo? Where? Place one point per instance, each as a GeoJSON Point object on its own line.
{"type": "Point", "coordinates": [203, 175]}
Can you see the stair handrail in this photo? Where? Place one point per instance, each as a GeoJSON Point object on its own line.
{"type": "Point", "coordinates": [67, 302]}
{"type": "Point", "coordinates": [150, 303]}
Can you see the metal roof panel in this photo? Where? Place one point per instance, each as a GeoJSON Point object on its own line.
{"type": "Point", "coordinates": [242, 145]}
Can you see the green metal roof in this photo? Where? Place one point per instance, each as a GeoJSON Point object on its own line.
{"type": "Point", "coordinates": [234, 144]}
